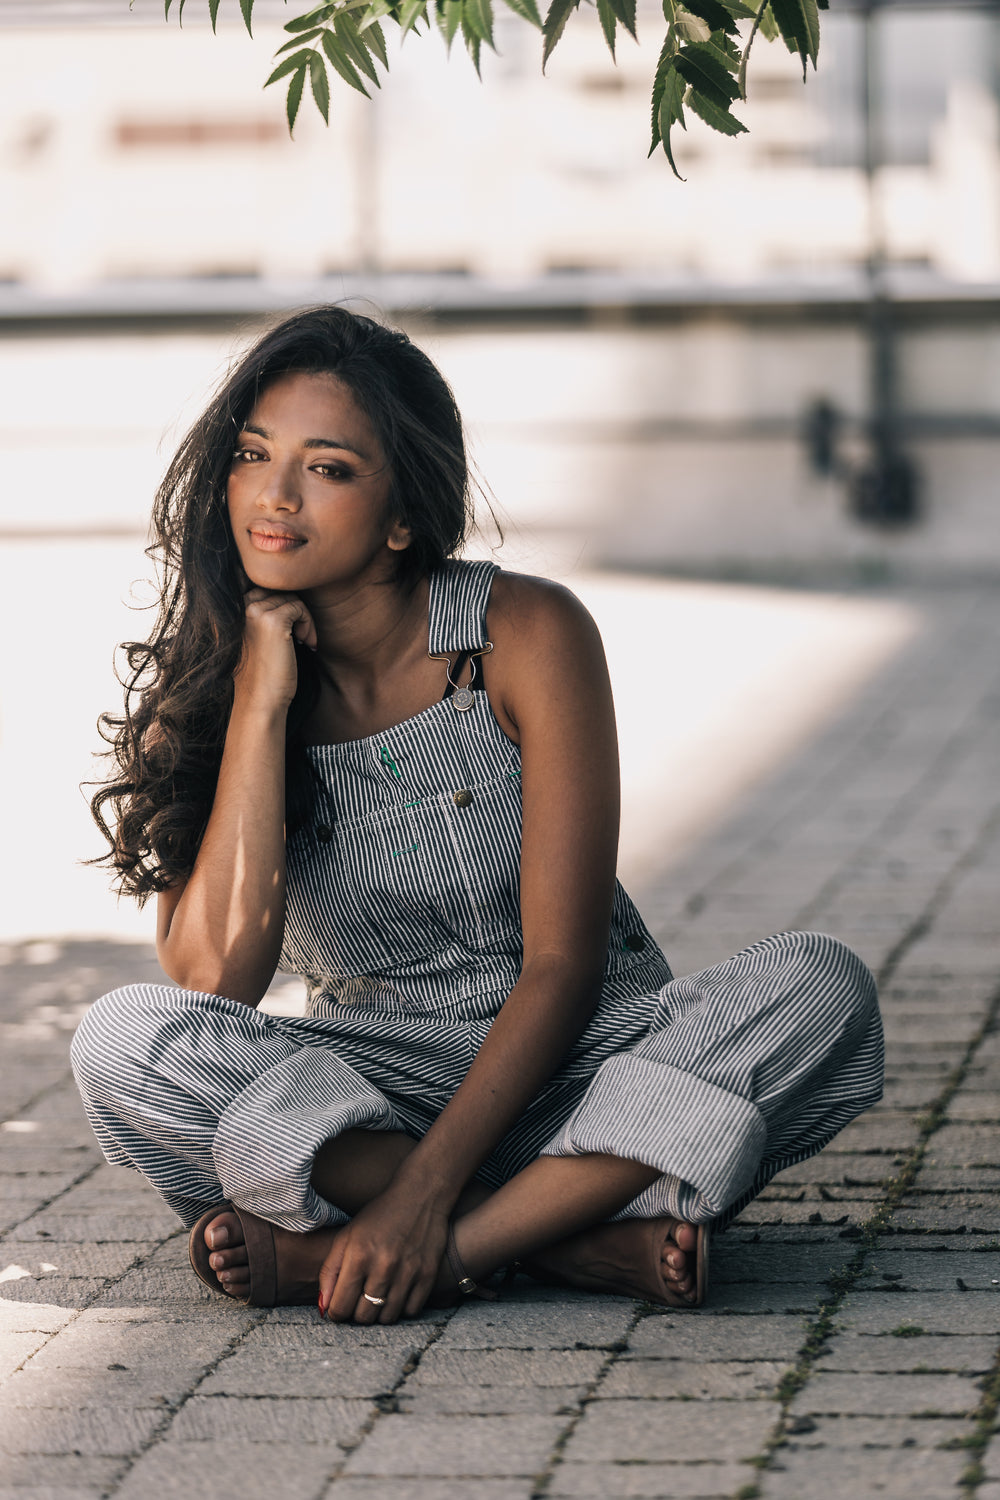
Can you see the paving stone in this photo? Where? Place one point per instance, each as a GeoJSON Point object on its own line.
{"type": "Point", "coordinates": [88, 1431]}
{"type": "Point", "coordinates": [182, 1471]}
{"type": "Point", "coordinates": [16, 1348]}
{"type": "Point", "coordinates": [153, 1385]}
{"type": "Point", "coordinates": [887, 1395]}
{"type": "Point", "coordinates": [405, 1339]}
{"type": "Point", "coordinates": [974, 1104]}
{"type": "Point", "coordinates": [973, 1213]}
{"type": "Point", "coordinates": [32, 1317]}
{"type": "Point", "coordinates": [94, 1227]}
{"type": "Point", "coordinates": [490, 1400]}
{"type": "Point", "coordinates": [55, 1259]}
{"type": "Point", "coordinates": [430, 1489]}
{"type": "Point", "coordinates": [716, 1338]}
{"type": "Point", "coordinates": [231, 1419]}
{"type": "Point", "coordinates": [57, 1474]}
{"type": "Point", "coordinates": [319, 1371]}
{"type": "Point", "coordinates": [902, 1473]}
{"type": "Point", "coordinates": [880, 1432]}
{"type": "Point", "coordinates": [670, 1431]}
{"type": "Point", "coordinates": [916, 1270]}
{"type": "Point", "coordinates": [89, 1343]}
{"type": "Point", "coordinates": [574, 1321]}
{"type": "Point", "coordinates": [746, 1380]}
{"type": "Point", "coordinates": [965, 1145]}
{"type": "Point", "coordinates": [770, 1264]}
{"type": "Point", "coordinates": [928, 1353]}
{"type": "Point", "coordinates": [454, 1447]}
{"type": "Point", "coordinates": [928, 1312]}
{"type": "Point", "coordinates": [696, 1481]}
{"type": "Point", "coordinates": [443, 1366]}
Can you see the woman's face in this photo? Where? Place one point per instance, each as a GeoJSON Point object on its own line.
{"type": "Point", "coordinates": [309, 490]}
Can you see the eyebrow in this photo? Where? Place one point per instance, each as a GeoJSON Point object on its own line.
{"type": "Point", "coordinates": [313, 442]}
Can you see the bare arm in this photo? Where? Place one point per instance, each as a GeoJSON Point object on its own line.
{"type": "Point", "coordinates": [549, 681]}
{"type": "Point", "coordinates": [220, 931]}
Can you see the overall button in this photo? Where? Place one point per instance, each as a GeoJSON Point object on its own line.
{"type": "Point", "coordinates": [635, 942]}
{"type": "Point", "coordinates": [463, 798]}
{"type": "Point", "coordinates": [323, 833]}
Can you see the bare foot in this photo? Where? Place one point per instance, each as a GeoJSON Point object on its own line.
{"type": "Point", "coordinates": [299, 1258]}
{"type": "Point", "coordinates": [650, 1258]}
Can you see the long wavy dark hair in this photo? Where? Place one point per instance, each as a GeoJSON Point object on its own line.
{"type": "Point", "coordinates": [167, 744]}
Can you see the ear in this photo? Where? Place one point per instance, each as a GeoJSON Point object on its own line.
{"type": "Point", "coordinates": [400, 536]}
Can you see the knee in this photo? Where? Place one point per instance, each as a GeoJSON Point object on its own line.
{"type": "Point", "coordinates": [105, 1037]}
{"type": "Point", "coordinates": [831, 972]}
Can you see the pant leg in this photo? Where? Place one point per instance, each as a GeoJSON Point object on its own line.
{"type": "Point", "coordinates": [209, 1099]}
{"type": "Point", "coordinates": [746, 1068]}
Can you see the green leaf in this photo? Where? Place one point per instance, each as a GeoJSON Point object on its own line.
{"type": "Point", "coordinates": [554, 25]}
{"type": "Point", "coordinates": [699, 67]}
{"type": "Point", "coordinates": [527, 10]}
{"type": "Point", "coordinates": [739, 11]}
{"type": "Point", "coordinates": [213, 11]}
{"type": "Point", "coordinates": [294, 97]}
{"type": "Point", "coordinates": [477, 16]}
{"type": "Point", "coordinates": [609, 23]}
{"type": "Point", "coordinates": [320, 84]}
{"type": "Point", "coordinates": [714, 13]}
{"type": "Point", "coordinates": [246, 10]}
{"type": "Point", "coordinates": [798, 22]}
{"type": "Point", "coordinates": [769, 26]}
{"type": "Point", "coordinates": [449, 17]}
{"type": "Point", "coordinates": [473, 43]}
{"type": "Point", "coordinates": [290, 65]}
{"type": "Point", "coordinates": [374, 39]}
{"type": "Point", "coordinates": [300, 41]}
{"type": "Point", "coordinates": [724, 50]}
{"type": "Point", "coordinates": [347, 35]}
{"type": "Point", "coordinates": [410, 12]}
{"type": "Point", "coordinates": [625, 11]}
{"type": "Point", "coordinates": [312, 19]}
{"type": "Point", "coordinates": [341, 62]}
{"type": "Point", "coordinates": [671, 113]}
{"type": "Point", "coordinates": [719, 119]}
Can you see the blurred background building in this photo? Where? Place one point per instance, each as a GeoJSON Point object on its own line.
{"type": "Point", "coordinates": [698, 377]}
{"type": "Point", "coordinates": [785, 369]}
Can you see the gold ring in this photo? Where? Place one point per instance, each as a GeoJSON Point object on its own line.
{"type": "Point", "coordinates": [375, 1301]}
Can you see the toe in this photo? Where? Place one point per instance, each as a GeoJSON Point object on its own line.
{"type": "Point", "coordinates": [224, 1231]}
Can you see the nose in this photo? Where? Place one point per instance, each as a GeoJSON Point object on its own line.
{"type": "Point", "coordinates": [279, 489]}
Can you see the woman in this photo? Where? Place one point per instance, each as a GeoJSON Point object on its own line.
{"type": "Point", "coordinates": [316, 773]}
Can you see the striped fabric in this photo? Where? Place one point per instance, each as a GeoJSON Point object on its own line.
{"type": "Point", "coordinates": [403, 919]}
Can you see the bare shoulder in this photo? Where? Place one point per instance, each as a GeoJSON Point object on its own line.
{"type": "Point", "coordinates": [527, 612]}
{"type": "Point", "coordinates": [547, 651]}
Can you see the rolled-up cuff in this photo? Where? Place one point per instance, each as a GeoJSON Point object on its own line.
{"type": "Point", "coordinates": [710, 1140]}
{"type": "Point", "coordinates": [270, 1132]}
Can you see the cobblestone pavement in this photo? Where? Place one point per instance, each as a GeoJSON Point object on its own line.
{"type": "Point", "coordinates": [850, 1344]}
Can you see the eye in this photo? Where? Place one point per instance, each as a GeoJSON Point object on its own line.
{"type": "Point", "coordinates": [247, 456]}
{"type": "Point", "coordinates": [332, 471]}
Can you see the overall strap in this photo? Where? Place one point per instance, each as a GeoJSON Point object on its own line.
{"type": "Point", "coordinates": [459, 594]}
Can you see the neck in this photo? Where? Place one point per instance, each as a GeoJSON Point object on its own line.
{"type": "Point", "coordinates": [361, 633]}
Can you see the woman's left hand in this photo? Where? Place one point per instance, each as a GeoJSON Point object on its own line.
{"type": "Point", "coordinates": [392, 1249]}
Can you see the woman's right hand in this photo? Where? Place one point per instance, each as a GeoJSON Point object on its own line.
{"type": "Point", "coordinates": [267, 674]}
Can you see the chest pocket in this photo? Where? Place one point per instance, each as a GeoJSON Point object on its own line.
{"type": "Point", "coordinates": [440, 875]}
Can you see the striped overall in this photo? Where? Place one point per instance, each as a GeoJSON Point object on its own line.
{"type": "Point", "coordinates": [403, 919]}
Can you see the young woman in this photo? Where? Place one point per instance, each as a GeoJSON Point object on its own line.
{"type": "Point", "coordinates": [347, 755]}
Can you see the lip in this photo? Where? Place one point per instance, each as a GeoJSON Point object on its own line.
{"type": "Point", "coordinates": [274, 538]}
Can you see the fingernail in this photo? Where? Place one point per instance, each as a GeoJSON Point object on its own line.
{"type": "Point", "coordinates": [322, 1306]}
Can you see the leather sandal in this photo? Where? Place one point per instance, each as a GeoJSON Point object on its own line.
{"type": "Point", "coordinates": [258, 1236]}
{"type": "Point", "coordinates": [649, 1284]}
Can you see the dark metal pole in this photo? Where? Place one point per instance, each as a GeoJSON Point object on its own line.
{"type": "Point", "coordinates": [884, 490]}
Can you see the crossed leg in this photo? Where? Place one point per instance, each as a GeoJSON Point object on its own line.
{"type": "Point", "coordinates": [551, 1214]}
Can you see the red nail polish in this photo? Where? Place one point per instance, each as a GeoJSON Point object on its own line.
{"type": "Point", "coordinates": [322, 1306]}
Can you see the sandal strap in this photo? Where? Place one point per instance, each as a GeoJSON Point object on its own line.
{"type": "Point", "coordinates": [466, 1285]}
